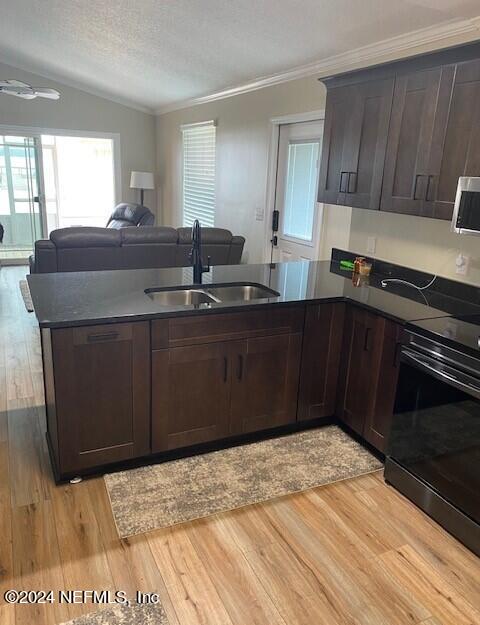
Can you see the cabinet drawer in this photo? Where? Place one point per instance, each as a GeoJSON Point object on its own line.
{"type": "Point", "coordinates": [102, 333]}
{"type": "Point", "coordinates": [177, 332]}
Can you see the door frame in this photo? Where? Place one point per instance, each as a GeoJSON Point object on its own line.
{"type": "Point", "coordinates": [30, 133]}
{"type": "Point", "coordinates": [272, 165]}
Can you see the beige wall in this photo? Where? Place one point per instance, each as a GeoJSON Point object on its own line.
{"type": "Point", "coordinates": [415, 242]}
{"type": "Point", "coordinates": [243, 137]}
{"type": "Point", "coordinates": [78, 110]}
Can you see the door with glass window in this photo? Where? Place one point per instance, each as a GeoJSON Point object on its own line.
{"type": "Point", "coordinates": [297, 211]}
{"type": "Point", "coordinates": [20, 196]}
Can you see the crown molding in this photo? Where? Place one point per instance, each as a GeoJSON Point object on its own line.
{"type": "Point", "coordinates": [428, 39]}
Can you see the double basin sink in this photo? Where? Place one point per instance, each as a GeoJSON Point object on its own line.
{"type": "Point", "coordinates": [210, 294]}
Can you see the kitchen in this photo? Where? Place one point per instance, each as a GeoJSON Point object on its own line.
{"type": "Point", "coordinates": [201, 417]}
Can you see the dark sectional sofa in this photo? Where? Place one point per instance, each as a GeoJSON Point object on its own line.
{"type": "Point", "coordinates": [93, 249]}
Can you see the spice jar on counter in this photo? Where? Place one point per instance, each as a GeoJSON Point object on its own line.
{"type": "Point", "coordinates": [357, 263]}
{"type": "Point", "coordinates": [365, 268]}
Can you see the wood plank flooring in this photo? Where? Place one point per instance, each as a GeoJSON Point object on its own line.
{"type": "Point", "coordinates": [351, 553]}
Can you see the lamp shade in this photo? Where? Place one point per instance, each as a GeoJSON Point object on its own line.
{"type": "Point", "coordinates": [142, 180]}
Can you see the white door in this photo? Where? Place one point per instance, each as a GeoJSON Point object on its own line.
{"type": "Point", "coordinates": [299, 218]}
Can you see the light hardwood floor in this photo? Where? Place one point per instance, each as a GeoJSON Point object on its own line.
{"type": "Point", "coordinates": [351, 553]}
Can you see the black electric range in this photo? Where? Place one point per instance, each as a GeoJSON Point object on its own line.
{"type": "Point", "coordinates": [461, 333]}
{"type": "Point", "coordinates": [433, 454]}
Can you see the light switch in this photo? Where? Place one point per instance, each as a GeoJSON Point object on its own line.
{"type": "Point", "coordinates": [371, 245]}
{"type": "Point", "coordinates": [259, 213]}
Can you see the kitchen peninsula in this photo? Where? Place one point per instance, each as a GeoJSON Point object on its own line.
{"type": "Point", "coordinates": [140, 365]}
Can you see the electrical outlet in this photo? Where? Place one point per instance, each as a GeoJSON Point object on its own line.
{"type": "Point", "coordinates": [371, 245]}
{"type": "Point", "coordinates": [462, 263]}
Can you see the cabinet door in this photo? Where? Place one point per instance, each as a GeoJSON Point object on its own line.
{"type": "Point", "coordinates": [405, 182]}
{"type": "Point", "coordinates": [320, 360]}
{"type": "Point", "coordinates": [265, 382]}
{"type": "Point", "coordinates": [333, 177]}
{"type": "Point", "coordinates": [378, 417]}
{"type": "Point", "coordinates": [367, 142]}
{"type": "Point", "coordinates": [357, 368]}
{"type": "Point", "coordinates": [190, 395]}
{"type": "Point", "coordinates": [456, 139]}
{"type": "Point", "coordinates": [102, 388]}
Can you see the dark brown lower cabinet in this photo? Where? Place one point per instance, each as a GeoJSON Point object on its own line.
{"type": "Point", "coordinates": [265, 382]}
{"type": "Point", "coordinates": [379, 416]}
{"type": "Point", "coordinates": [320, 360]}
{"type": "Point", "coordinates": [191, 389]}
{"type": "Point", "coordinates": [113, 394]}
{"type": "Point", "coordinates": [207, 392]}
{"type": "Point", "coordinates": [368, 375]}
{"type": "Point", "coordinates": [100, 406]}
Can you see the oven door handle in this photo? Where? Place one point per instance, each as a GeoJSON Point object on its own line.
{"type": "Point", "coordinates": [445, 374]}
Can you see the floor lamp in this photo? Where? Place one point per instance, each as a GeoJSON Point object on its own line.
{"type": "Point", "coordinates": [141, 180]}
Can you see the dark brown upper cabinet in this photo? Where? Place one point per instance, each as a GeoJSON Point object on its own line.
{"type": "Point", "coordinates": [407, 175]}
{"type": "Point", "coordinates": [398, 136]}
{"type": "Point", "coordinates": [355, 139]}
{"type": "Point", "coordinates": [456, 137]}
{"type": "Point", "coordinates": [335, 145]}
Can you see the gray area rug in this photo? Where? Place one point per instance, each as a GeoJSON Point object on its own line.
{"type": "Point", "coordinates": [156, 496]}
{"type": "Point", "coordinates": [27, 298]}
{"type": "Point", "coordinates": [124, 615]}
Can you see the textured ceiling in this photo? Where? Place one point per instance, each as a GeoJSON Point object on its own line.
{"type": "Point", "coordinates": [156, 52]}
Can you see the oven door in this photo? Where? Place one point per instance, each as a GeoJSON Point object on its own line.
{"type": "Point", "coordinates": [436, 429]}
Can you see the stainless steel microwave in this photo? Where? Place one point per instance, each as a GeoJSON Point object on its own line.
{"type": "Point", "coordinates": [466, 211]}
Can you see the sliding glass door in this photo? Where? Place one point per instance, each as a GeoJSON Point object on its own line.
{"type": "Point", "coordinates": [79, 175]}
{"type": "Point", "coordinates": [20, 196]}
{"type": "Point", "coordinates": [53, 181]}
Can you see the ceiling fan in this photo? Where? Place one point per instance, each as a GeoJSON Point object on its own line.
{"type": "Point", "coordinates": [22, 90]}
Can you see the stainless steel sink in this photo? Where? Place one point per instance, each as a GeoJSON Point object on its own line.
{"type": "Point", "coordinates": [180, 297]}
{"type": "Point", "coordinates": [240, 292]}
{"type": "Point", "coordinates": [210, 294]}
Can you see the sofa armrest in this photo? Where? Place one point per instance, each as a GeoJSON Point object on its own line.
{"type": "Point", "coordinates": [236, 250]}
{"type": "Point", "coordinates": [44, 260]}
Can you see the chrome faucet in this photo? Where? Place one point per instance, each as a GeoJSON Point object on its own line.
{"type": "Point", "coordinates": [196, 254]}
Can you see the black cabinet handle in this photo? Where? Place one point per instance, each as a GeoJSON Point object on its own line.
{"type": "Point", "coordinates": [355, 178]}
{"type": "Point", "coordinates": [417, 176]}
{"type": "Point", "coordinates": [105, 336]}
{"type": "Point", "coordinates": [366, 345]}
{"type": "Point", "coordinates": [240, 367]}
{"type": "Point", "coordinates": [427, 192]}
{"type": "Point", "coordinates": [225, 369]}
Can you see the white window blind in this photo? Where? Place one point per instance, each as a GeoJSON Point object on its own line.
{"type": "Point", "coordinates": [199, 174]}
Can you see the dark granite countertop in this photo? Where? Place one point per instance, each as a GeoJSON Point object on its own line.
{"type": "Point", "coordinates": [73, 299]}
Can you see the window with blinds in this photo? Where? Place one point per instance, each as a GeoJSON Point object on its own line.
{"type": "Point", "coordinates": [199, 173]}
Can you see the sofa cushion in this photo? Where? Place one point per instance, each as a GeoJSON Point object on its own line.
{"type": "Point", "coordinates": [88, 258]}
{"type": "Point", "coordinates": [209, 235]}
{"type": "Point", "coordinates": [148, 235]}
{"type": "Point", "coordinates": [85, 236]}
